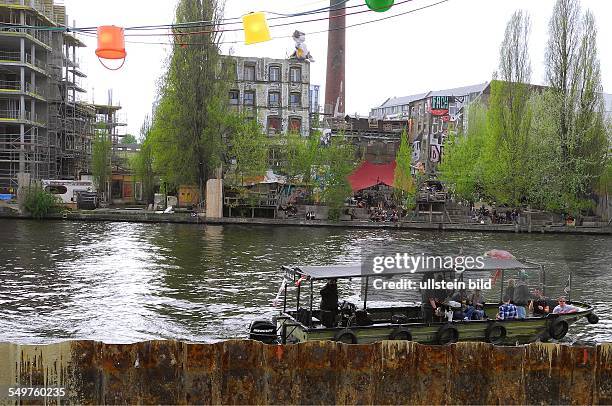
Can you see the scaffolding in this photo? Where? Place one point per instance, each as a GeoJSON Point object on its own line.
{"type": "Point", "coordinates": [45, 128]}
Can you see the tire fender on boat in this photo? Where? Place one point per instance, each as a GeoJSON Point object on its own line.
{"type": "Point", "coordinates": [592, 318]}
{"type": "Point", "coordinates": [447, 334]}
{"type": "Point", "coordinates": [346, 336]}
{"type": "Point", "coordinates": [401, 333]}
{"type": "Point", "coordinates": [558, 328]}
{"type": "Point", "coordinates": [495, 338]}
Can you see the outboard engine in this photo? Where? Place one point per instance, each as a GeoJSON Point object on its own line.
{"type": "Point", "coordinates": [264, 331]}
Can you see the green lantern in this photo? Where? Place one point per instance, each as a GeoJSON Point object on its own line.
{"type": "Point", "coordinates": [379, 5]}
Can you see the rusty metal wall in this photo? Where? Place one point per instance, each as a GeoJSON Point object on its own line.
{"type": "Point", "coordinates": [248, 372]}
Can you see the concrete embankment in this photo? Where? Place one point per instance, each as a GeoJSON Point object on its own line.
{"type": "Point", "coordinates": [142, 216]}
{"type": "Point", "coordinates": [249, 372]}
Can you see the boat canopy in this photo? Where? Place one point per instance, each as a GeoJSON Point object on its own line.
{"type": "Point", "coordinates": [356, 270]}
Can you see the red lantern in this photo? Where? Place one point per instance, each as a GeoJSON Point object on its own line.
{"type": "Point", "coordinates": [111, 44]}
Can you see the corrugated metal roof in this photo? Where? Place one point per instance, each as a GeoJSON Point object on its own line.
{"type": "Point", "coordinates": [458, 91]}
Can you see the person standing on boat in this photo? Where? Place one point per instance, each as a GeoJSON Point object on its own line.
{"type": "Point", "coordinates": [329, 303]}
{"type": "Point", "coordinates": [510, 290]}
{"type": "Point", "coordinates": [521, 295]}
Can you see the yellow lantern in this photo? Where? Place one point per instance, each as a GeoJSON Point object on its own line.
{"type": "Point", "coordinates": [255, 28]}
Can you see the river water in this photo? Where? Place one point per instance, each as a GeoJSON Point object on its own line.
{"type": "Point", "coordinates": [128, 282]}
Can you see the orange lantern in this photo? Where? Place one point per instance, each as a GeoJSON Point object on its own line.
{"type": "Point", "coordinates": [111, 44]}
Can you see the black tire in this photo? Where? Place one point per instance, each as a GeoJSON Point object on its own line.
{"type": "Point", "coordinates": [558, 329]}
{"type": "Point", "coordinates": [495, 333]}
{"type": "Point", "coordinates": [345, 336]}
{"type": "Point", "coordinates": [592, 318]}
{"type": "Point", "coordinates": [447, 334]}
{"type": "Point", "coordinates": [401, 333]}
{"type": "Point", "coordinates": [264, 331]}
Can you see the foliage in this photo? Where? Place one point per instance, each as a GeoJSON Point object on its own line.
{"type": "Point", "coordinates": [129, 139]}
{"type": "Point", "coordinates": [248, 147]}
{"type": "Point", "coordinates": [100, 161]}
{"type": "Point", "coordinates": [405, 187]}
{"type": "Point", "coordinates": [301, 154]}
{"type": "Point", "coordinates": [188, 133]}
{"type": "Point", "coordinates": [339, 159]}
{"type": "Point", "coordinates": [142, 163]}
{"type": "Point", "coordinates": [38, 202]}
{"type": "Point", "coordinates": [462, 164]}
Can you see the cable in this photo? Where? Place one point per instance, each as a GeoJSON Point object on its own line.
{"type": "Point", "coordinates": [308, 33]}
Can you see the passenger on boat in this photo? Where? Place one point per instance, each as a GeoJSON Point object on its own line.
{"type": "Point", "coordinates": [329, 303]}
{"type": "Point", "coordinates": [475, 310]}
{"type": "Point", "coordinates": [564, 308]}
{"type": "Point", "coordinates": [521, 296]}
{"type": "Point", "coordinates": [510, 289]}
{"type": "Point", "coordinates": [541, 305]}
{"type": "Point", "coordinates": [432, 299]}
{"type": "Point", "coordinates": [461, 298]}
{"type": "Point", "coordinates": [507, 311]}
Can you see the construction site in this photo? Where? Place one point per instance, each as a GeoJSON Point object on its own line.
{"type": "Point", "coordinates": [46, 125]}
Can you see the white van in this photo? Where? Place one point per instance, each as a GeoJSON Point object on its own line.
{"type": "Point", "coordinates": [67, 190]}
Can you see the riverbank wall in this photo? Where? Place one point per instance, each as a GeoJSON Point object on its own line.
{"type": "Point", "coordinates": [142, 216]}
{"type": "Point", "coordinates": [249, 372]}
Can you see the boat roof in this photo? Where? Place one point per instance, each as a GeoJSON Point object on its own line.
{"type": "Point", "coordinates": [356, 270]}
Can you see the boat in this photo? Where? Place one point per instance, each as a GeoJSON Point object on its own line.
{"type": "Point", "coordinates": [303, 321]}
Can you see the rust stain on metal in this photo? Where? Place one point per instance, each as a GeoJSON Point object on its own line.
{"type": "Point", "coordinates": [249, 372]}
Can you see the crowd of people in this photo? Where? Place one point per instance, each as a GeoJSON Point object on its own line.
{"type": "Point", "coordinates": [484, 215]}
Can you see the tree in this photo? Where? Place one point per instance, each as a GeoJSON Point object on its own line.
{"type": "Point", "coordinates": [101, 159]}
{"type": "Point", "coordinates": [142, 163]}
{"type": "Point", "coordinates": [574, 74]}
{"type": "Point", "coordinates": [339, 161]}
{"type": "Point", "coordinates": [129, 139]}
{"type": "Point", "coordinates": [507, 146]}
{"type": "Point", "coordinates": [248, 148]}
{"type": "Point", "coordinates": [402, 178]}
{"type": "Point", "coordinates": [188, 127]}
{"type": "Point", "coordinates": [462, 166]}
{"type": "Point", "coordinates": [300, 155]}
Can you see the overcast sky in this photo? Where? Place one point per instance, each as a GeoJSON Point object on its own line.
{"type": "Point", "coordinates": [452, 44]}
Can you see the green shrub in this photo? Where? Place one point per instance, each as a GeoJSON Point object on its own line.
{"type": "Point", "coordinates": [38, 202]}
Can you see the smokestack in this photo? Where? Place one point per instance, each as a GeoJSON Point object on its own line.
{"type": "Point", "coordinates": [336, 45]}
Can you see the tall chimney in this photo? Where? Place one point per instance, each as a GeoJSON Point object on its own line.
{"type": "Point", "coordinates": [336, 45]}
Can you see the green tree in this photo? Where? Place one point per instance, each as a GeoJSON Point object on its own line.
{"type": "Point", "coordinates": [129, 139]}
{"type": "Point", "coordinates": [339, 161]}
{"type": "Point", "coordinates": [462, 166]}
{"type": "Point", "coordinates": [300, 155]}
{"type": "Point", "coordinates": [573, 72]}
{"type": "Point", "coordinates": [402, 178]}
{"type": "Point", "coordinates": [507, 146]}
{"type": "Point", "coordinates": [189, 124]}
{"type": "Point", "coordinates": [248, 148]}
{"type": "Point", "coordinates": [101, 159]}
{"type": "Point", "coordinates": [143, 165]}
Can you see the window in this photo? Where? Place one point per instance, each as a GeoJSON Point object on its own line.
{"type": "Point", "coordinates": [274, 125]}
{"type": "Point", "coordinates": [405, 107]}
{"type": "Point", "coordinates": [295, 99]}
{"type": "Point", "coordinates": [395, 109]}
{"type": "Point", "coordinates": [249, 73]}
{"type": "Point", "coordinates": [274, 73]}
{"type": "Point", "coordinates": [57, 189]}
{"type": "Point", "coordinates": [295, 124]}
{"type": "Point", "coordinates": [249, 98]}
{"type": "Point", "coordinates": [234, 96]}
{"type": "Point", "coordinates": [295, 74]}
{"type": "Point", "coordinates": [274, 99]}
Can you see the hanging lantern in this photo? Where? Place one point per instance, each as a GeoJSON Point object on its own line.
{"type": "Point", "coordinates": [111, 44]}
{"type": "Point", "coordinates": [255, 28]}
{"type": "Point", "coordinates": [379, 5]}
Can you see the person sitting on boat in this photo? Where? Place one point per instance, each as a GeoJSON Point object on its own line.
{"type": "Point", "coordinates": [507, 311]}
{"type": "Point", "coordinates": [329, 303]}
{"type": "Point", "coordinates": [521, 296]}
{"type": "Point", "coordinates": [459, 297]}
{"type": "Point", "coordinates": [475, 308]}
{"type": "Point", "coordinates": [432, 298]}
{"type": "Point", "coordinates": [564, 308]}
{"type": "Point", "coordinates": [541, 305]}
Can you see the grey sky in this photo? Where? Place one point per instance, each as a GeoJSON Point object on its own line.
{"type": "Point", "coordinates": [450, 45]}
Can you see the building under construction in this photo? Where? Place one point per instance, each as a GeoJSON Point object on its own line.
{"type": "Point", "coordinates": [45, 128]}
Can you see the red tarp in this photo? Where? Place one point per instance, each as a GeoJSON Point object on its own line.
{"type": "Point", "coordinates": [369, 174]}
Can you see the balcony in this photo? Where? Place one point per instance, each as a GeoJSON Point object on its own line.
{"type": "Point", "coordinates": [14, 115]}
{"type": "Point", "coordinates": [41, 36]}
{"type": "Point", "coordinates": [15, 56]}
{"type": "Point", "coordinates": [38, 5]}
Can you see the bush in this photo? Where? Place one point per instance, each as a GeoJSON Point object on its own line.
{"type": "Point", "coordinates": [38, 202]}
